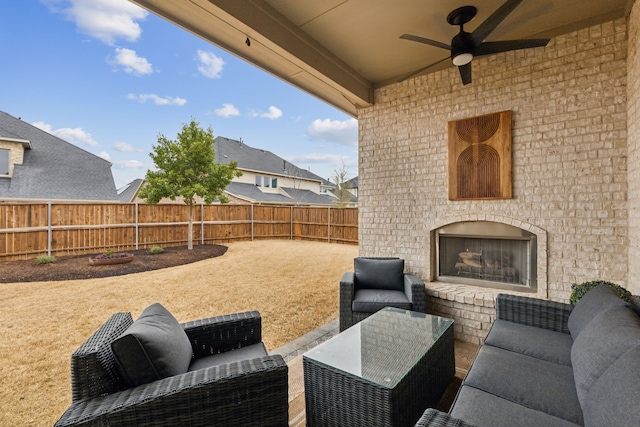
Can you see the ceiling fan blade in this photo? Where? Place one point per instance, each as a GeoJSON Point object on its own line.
{"type": "Point", "coordinates": [484, 29]}
{"type": "Point", "coordinates": [425, 41]}
{"type": "Point", "coordinates": [465, 73]}
{"type": "Point", "coordinates": [421, 70]}
{"type": "Point", "coordinates": [488, 48]}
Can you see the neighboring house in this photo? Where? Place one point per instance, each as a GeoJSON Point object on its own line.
{"type": "Point", "coordinates": [266, 178]}
{"type": "Point", "coordinates": [35, 165]}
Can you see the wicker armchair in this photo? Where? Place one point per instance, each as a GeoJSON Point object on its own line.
{"type": "Point", "coordinates": [376, 283]}
{"type": "Point", "coordinates": [250, 392]}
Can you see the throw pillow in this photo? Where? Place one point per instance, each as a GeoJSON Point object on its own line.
{"type": "Point", "coordinates": [155, 346]}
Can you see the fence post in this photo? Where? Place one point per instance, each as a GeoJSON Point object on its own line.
{"type": "Point", "coordinates": [137, 226]}
{"type": "Point", "coordinates": [252, 222]}
{"type": "Point", "coordinates": [291, 224]}
{"type": "Point", "coordinates": [49, 230]}
{"type": "Point", "coordinates": [202, 223]}
{"type": "Point", "coordinates": [329, 225]}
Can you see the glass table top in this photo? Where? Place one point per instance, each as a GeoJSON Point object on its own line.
{"type": "Point", "coordinates": [384, 347]}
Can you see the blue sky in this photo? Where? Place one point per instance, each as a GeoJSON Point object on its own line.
{"type": "Point", "coordinates": [110, 77]}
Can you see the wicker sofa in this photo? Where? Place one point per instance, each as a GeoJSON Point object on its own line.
{"type": "Point", "coordinates": [229, 380]}
{"type": "Point", "coordinates": [550, 364]}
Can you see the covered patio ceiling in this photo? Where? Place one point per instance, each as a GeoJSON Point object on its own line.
{"type": "Point", "coordinates": [341, 50]}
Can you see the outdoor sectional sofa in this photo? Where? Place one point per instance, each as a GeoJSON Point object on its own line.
{"type": "Point", "coordinates": [550, 364]}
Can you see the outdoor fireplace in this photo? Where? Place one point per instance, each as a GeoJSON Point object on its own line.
{"type": "Point", "coordinates": [488, 254]}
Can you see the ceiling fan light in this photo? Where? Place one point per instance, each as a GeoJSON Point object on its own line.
{"type": "Point", "coordinates": [462, 59]}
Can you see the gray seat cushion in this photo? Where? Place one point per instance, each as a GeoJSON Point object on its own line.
{"type": "Point", "coordinates": [372, 300]}
{"type": "Point", "coordinates": [590, 305]}
{"type": "Point", "coordinates": [155, 346]}
{"type": "Point", "coordinates": [379, 273]}
{"type": "Point", "coordinates": [244, 353]}
{"type": "Point", "coordinates": [485, 409]}
{"type": "Point", "coordinates": [603, 341]}
{"type": "Point", "coordinates": [533, 383]}
{"type": "Point", "coordinates": [613, 398]}
{"type": "Point", "coordinates": [535, 342]}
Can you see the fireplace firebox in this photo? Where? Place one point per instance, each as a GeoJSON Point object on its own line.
{"type": "Point", "coordinates": [488, 254]}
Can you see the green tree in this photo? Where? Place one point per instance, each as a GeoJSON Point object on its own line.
{"type": "Point", "coordinates": [342, 193]}
{"type": "Point", "coordinates": [186, 168]}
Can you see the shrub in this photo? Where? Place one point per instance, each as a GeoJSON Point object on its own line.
{"type": "Point", "coordinates": [45, 259]}
{"type": "Point", "coordinates": [578, 291]}
{"type": "Point", "coordinates": [110, 253]}
{"type": "Point", "coordinates": [156, 250]}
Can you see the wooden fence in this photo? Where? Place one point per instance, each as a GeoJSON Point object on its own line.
{"type": "Point", "coordinates": [31, 230]}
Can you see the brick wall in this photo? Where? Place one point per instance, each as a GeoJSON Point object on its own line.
{"type": "Point", "coordinates": [633, 141]}
{"type": "Point", "coordinates": [569, 104]}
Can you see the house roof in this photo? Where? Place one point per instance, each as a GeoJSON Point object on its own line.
{"type": "Point", "coordinates": [302, 196]}
{"type": "Point", "coordinates": [53, 169]}
{"type": "Point", "coordinates": [257, 160]}
{"type": "Point", "coordinates": [341, 50]}
{"type": "Point", "coordinates": [128, 192]}
{"type": "Point", "coordinates": [253, 194]}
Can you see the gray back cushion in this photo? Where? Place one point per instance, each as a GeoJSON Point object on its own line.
{"type": "Point", "coordinates": [590, 305]}
{"type": "Point", "coordinates": [600, 344]}
{"type": "Point", "coordinates": [155, 346]}
{"type": "Point", "coordinates": [613, 399]}
{"type": "Point", "coordinates": [379, 273]}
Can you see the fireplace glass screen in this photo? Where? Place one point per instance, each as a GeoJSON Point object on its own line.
{"type": "Point", "coordinates": [498, 261]}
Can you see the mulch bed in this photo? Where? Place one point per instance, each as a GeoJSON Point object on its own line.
{"type": "Point", "coordinates": [77, 267]}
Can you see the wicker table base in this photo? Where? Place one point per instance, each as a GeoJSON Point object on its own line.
{"type": "Point", "coordinates": [383, 371]}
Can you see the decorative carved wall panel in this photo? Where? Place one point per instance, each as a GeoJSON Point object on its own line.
{"type": "Point", "coordinates": [480, 157]}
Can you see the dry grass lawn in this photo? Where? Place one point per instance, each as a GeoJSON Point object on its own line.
{"type": "Point", "coordinates": [294, 285]}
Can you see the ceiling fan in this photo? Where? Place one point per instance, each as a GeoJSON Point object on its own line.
{"type": "Point", "coordinates": [465, 46]}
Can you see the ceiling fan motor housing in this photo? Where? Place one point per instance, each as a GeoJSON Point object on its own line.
{"type": "Point", "coordinates": [462, 48]}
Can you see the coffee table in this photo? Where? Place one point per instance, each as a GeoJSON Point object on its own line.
{"type": "Point", "coordinates": [383, 371]}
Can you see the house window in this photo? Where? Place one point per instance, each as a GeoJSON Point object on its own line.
{"type": "Point", "coordinates": [274, 182]}
{"type": "Point", "coordinates": [266, 181]}
{"type": "Point", "coordinates": [4, 161]}
{"type": "Point", "coordinates": [258, 181]}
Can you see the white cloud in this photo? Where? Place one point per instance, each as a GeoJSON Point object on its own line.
{"type": "Point", "coordinates": [76, 136]}
{"type": "Point", "coordinates": [158, 100]}
{"type": "Point", "coordinates": [335, 159]}
{"type": "Point", "coordinates": [104, 155]}
{"type": "Point", "coordinates": [342, 132]}
{"type": "Point", "coordinates": [273, 114]}
{"type": "Point", "coordinates": [106, 20]}
{"type": "Point", "coordinates": [123, 147]}
{"type": "Point", "coordinates": [327, 163]}
{"type": "Point", "coordinates": [128, 164]}
{"type": "Point", "coordinates": [227, 110]}
{"type": "Point", "coordinates": [210, 64]}
{"type": "Point", "coordinates": [131, 62]}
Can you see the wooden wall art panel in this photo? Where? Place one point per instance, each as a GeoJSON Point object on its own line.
{"type": "Point", "coordinates": [480, 157]}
